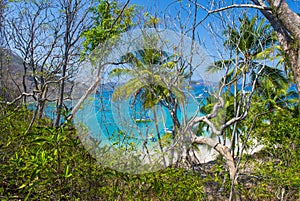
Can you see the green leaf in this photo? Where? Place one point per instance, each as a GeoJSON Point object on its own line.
{"type": "Point", "coordinates": [265, 54]}
{"type": "Point", "coordinates": [22, 186]}
{"type": "Point", "coordinates": [67, 175]}
{"type": "Point", "coordinates": [128, 89]}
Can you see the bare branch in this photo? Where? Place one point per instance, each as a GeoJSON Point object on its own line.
{"type": "Point", "coordinates": [17, 99]}
{"type": "Point", "coordinates": [239, 6]}
{"type": "Point", "coordinates": [209, 12]}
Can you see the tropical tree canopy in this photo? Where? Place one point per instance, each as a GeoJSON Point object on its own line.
{"type": "Point", "coordinates": [110, 19]}
{"type": "Point", "coordinates": [155, 77]}
{"type": "Point", "coordinates": [252, 44]}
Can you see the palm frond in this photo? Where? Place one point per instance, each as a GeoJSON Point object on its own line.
{"type": "Point", "coordinates": [276, 76]}
{"type": "Point", "coordinates": [219, 65]}
{"type": "Point", "coordinates": [128, 89]}
{"type": "Point", "coordinates": [132, 59]}
{"type": "Point", "coordinates": [264, 54]}
{"type": "Point", "coordinates": [120, 71]}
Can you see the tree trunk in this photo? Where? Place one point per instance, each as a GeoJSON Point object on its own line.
{"type": "Point", "coordinates": [24, 81]}
{"type": "Point", "coordinates": [291, 47]}
{"type": "Point", "coordinates": [1, 13]}
{"type": "Point", "coordinates": [60, 99]}
{"type": "Point", "coordinates": [67, 46]}
{"type": "Point", "coordinates": [222, 149]}
{"type": "Point", "coordinates": [286, 24]}
{"type": "Point", "coordinates": [83, 98]}
{"type": "Point", "coordinates": [174, 117]}
{"type": "Point", "coordinates": [43, 102]}
{"type": "Point", "coordinates": [295, 65]}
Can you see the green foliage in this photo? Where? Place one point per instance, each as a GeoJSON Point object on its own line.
{"type": "Point", "coordinates": [150, 20]}
{"type": "Point", "coordinates": [110, 20]}
{"type": "Point", "coordinates": [278, 164]}
{"type": "Point", "coordinates": [275, 174]}
{"type": "Point", "coordinates": [147, 72]}
{"type": "Point", "coordinates": [253, 43]}
{"type": "Point", "coordinates": [148, 67]}
{"type": "Point", "coordinates": [169, 184]}
{"type": "Point", "coordinates": [252, 38]}
{"type": "Point", "coordinates": [51, 164]}
{"type": "Point", "coordinates": [279, 127]}
{"type": "Point", "coordinates": [252, 46]}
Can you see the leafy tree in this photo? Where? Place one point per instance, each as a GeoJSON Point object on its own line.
{"type": "Point", "coordinates": [109, 20]}
{"type": "Point", "coordinates": [154, 78]}
{"type": "Point", "coordinates": [147, 69]}
{"type": "Point", "coordinates": [251, 45]}
{"type": "Point", "coordinates": [283, 20]}
{"type": "Point", "coordinates": [278, 130]}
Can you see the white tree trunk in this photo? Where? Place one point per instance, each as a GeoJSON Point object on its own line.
{"type": "Point", "coordinates": [220, 148]}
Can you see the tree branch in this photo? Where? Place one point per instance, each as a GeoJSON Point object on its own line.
{"type": "Point", "coordinates": [222, 149]}
{"type": "Point", "coordinates": [17, 99]}
{"type": "Point", "coordinates": [209, 12]}
{"type": "Point", "coordinates": [260, 7]}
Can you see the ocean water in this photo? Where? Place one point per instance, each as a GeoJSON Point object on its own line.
{"type": "Point", "coordinates": [124, 121]}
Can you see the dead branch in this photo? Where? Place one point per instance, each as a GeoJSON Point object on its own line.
{"type": "Point", "coordinates": [17, 99]}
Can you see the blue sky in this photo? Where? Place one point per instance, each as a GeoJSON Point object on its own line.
{"type": "Point", "coordinates": [209, 39]}
{"type": "Point", "coordinates": [162, 4]}
{"type": "Point", "coordinates": [172, 8]}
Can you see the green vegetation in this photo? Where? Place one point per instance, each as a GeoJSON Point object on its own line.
{"type": "Point", "coordinates": [273, 115]}
{"type": "Point", "coordinates": [276, 167]}
{"type": "Point", "coordinates": [51, 164]}
{"type": "Point", "coordinates": [109, 21]}
{"type": "Point", "coordinates": [147, 77]}
{"type": "Point", "coordinates": [41, 162]}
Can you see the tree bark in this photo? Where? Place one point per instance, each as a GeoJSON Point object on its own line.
{"type": "Point", "coordinates": [64, 65]}
{"type": "Point", "coordinates": [222, 149]}
{"type": "Point", "coordinates": [2, 4]}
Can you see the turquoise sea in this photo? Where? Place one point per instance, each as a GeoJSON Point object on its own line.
{"type": "Point", "coordinates": [122, 121]}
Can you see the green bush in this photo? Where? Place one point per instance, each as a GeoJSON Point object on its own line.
{"type": "Point", "coordinates": [51, 164]}
{"type": "Point", "coordinates": [278, 165]}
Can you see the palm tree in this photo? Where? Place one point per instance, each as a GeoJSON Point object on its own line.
{"type": "Point", "coordinates": [252, 46]}
{"type": "Point", "coordinates": [151, 71]}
